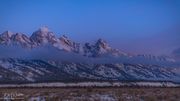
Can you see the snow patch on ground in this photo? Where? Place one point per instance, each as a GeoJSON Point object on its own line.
{"type": "Point", "coordinates": [95, 84]}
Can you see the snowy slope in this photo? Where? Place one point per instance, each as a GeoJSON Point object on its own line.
{"type": "Point", "coordinates": [21, 70]}
{"type": "Point", "coordinates": [43, 36]}
{"type": "Point", "coordinates": [15, 70]}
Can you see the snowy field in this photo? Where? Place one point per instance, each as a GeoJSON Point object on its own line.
{"type": "Point", "coordinates": [90, 94]}
{"type": "Point", "coordinates": [95, 84]}
{"type": "Point", "coordinates": [91, 91]}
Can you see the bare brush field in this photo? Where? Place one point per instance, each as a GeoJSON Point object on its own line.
{"type": "Point", "coordinates": [90, 94]}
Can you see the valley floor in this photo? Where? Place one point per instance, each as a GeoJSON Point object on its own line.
{"type": "Point", "coordinates": [91, 94]}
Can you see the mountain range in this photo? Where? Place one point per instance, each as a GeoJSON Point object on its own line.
{"type": "Point", "coordinates": [130, 68]}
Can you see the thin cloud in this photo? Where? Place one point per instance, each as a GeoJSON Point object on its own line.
{"type": "Point", "coordinates": [51, 53]}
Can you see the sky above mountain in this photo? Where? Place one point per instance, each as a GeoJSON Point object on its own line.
{"type": "Point", "coordinates": [141, 26]}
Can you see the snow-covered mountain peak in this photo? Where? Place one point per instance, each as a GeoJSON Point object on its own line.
{"type": "Point", "coordinates": [5, 37]}
{"type": "Point", "coordinates": [102, 44]}
{"type": "Point", "coordinates": [65, 40]}
{"type": "Point", "coordinates": [21, 39]}
{"type": "Point", "coordinates": [41, 32]}
{"type": "Point", "coordinates": [44, 29]}
{"type": "Point", "coordinates": [43, 36]}
{"type": "Point", "coordinates": [101, 48]}
{"type": "Point", "coordinates": [19, 35]}
{"type": "Point", "coordinates": [6, 34]}
{"type": "Point", "coordinates": [69, 45]}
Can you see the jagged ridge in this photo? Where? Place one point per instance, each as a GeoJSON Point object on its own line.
{"type": "Point", "coordinates": [43, 36]}
{"type": "Point", "coordinates": [18, 70]}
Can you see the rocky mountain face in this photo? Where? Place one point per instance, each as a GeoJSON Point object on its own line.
{"type": "Point", "coordinates": [23, 71]}
{"type": "Point", "coordinates": [26, 71]}
{"type": "Point", "coordinates": [5, 37]}
{"type": "Point", "coordinates": [43, 36]}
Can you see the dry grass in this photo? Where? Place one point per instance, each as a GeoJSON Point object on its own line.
{"type": "Point", "coordinates": [92, 94]}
